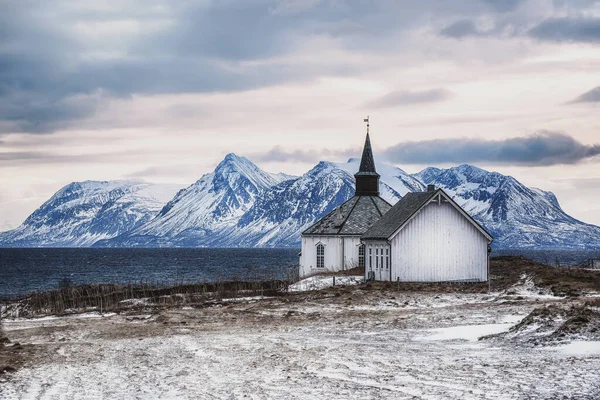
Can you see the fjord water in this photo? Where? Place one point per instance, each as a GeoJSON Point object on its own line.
{"type": "Point", "coordinates": [23, 270]}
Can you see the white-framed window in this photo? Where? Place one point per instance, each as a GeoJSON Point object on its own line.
{"type": "Point", "coordinates": [376, 258]}
{"type": "Point", "coordinates": [320, 256]}
{"type": "Point", "coordinates": [370, 259]}
{"type": "Point", "coordinates": [361, 256]}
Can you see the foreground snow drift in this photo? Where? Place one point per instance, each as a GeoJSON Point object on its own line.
{"type": "Point", "coordinates": [334, 344]}
{"type": "Point", "coordinates": [319, 282]}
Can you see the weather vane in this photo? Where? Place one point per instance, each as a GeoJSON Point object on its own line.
{"type": "Point", "coordinates": [367, 121]}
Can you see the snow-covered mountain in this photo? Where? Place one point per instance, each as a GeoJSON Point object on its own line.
{"type": "Point", "coordinates": [240, 205]}
{"type": "Point", "coordinates": [273, 216]}
{"type": "Point", "coordinates": [278, 217]}
{"type": "Point", "coordinates": [517, 216]}
{"type": "Point", "coordinates": [394, 182]}
{"type": "Point", "coordinates": [82, 213]}
{"type": "Point", "coordinates": [200, 214]}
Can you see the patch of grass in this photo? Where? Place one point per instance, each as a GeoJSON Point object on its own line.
{"type": "Point", "coordinates": [115, 297]}
{"type": "Point", "coordinates": [507, 271]}
{"type": "Point", "coordinates": [444, 287]}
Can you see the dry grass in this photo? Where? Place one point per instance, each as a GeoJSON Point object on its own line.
{"type": "Point", "coordinates": [115, 298]}
{"type": "Point", "coordinates": [507, 271]}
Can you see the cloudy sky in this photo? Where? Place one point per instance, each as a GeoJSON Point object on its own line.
{"type": "Point", "coordinates": [161, 90]}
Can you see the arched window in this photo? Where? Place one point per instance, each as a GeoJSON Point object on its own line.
{"type": "Point", "coordinates": [361, 256]}
{"type": "Point", "coordinates": [320, 256]}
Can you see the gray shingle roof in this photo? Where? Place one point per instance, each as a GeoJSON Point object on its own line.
{"type": "Point", "coordinates": [354, 217]}
{"type": "Point", "coordinates": [398, 215]}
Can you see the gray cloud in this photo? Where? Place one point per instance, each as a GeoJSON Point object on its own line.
{"type": "Point", "coordinates": [175, 171]}
{"type": "Point", "coordinates": [37, 113]}
{"type": "Point", "coordinates": [580, 183]}
{"type": "Point", "coordinates": [19, 156]}
{"type": "Point", "coordinates": [48, 78]}
{"type": "Point", "coordinates": [504, 5]}
{"type": "Point", "coordinates": [53, 75]}
{"type": "Point", "coordinates": [568, 29]}
{"type": "Point", "coordinates": [462, 28]}
{"type": "Point", "coordinates": [405, 97]}
{"type": "Point", "coordinates": [542, 149]}
{"type": "Point", "coordinates": [278, 154]}
{"type": "Point", "coordinates": [593, 96]}
{"type": "Point", "coordinates": [22, 158]}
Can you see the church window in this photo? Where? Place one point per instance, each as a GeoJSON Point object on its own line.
{"type": "Point", "coordinates": [387, 258]}
{"type": "Point", "coordinates": [320, 256]}
{"type": "Point", "coordinates": [361, 256]}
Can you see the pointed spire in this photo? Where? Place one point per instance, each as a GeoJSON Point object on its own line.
{"type": "Point", "coordinates": [367, 178]}
{"type": "Point", "coordinates": [367, 162]}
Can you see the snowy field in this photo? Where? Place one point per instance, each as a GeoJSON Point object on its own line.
{"type": "Point", "coordinates": [342, 343]}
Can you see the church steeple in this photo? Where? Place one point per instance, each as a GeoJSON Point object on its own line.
{"type": "Point", "coordinates": [367, 178]}
{"type": "Point", "coordinates": [367, 163]}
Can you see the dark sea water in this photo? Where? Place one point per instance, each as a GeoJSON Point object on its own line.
{"type": "Point", "coordinates": [37, 269]}
{"type": "Point", "coordinates": [26, 270]}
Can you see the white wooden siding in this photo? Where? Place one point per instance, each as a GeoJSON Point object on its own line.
{"type": "Point", "coordinates": [439, 244]}
{"type": "Point", "coordinates": [334, 247]}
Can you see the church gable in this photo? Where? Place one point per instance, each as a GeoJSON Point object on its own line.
{"type": "Point", "coordinates": [407, 208]}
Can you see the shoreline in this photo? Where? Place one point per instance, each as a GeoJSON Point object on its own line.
{"type": "Point", "coordinates": [73, 299]}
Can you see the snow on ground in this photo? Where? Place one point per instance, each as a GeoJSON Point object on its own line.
{"type": "Point", "coordinates": [245, 299]}
{"type": "Point", "coordinates": [319, 282]}
{"type": "Point", "coordinates": [302, 347]}
{"type": "Point", "coordinates": [464, 332]}
{"type": "Point", "coordinates": [580, 348]}
{"type": "Point", "coordinates": [527, 288]}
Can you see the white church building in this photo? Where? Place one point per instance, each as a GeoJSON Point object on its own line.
{"type": "Point", "coordinates": [333, 243]}
{"type": "Point", "coordinates": [425, 237]}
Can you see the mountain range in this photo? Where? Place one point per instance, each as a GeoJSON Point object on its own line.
{"type": "Point", "coordinates": [240, 205]}
{"type": "Point", "coordinates": [81, 213]}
